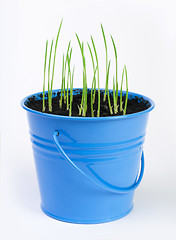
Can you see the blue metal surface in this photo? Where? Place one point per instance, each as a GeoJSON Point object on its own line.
{"type": "Point", "coordinates": [107, 150]}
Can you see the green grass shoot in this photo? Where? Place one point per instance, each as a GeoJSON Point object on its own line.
{"type": "Point", "coordinates": [83, 106]}
{"type": "Point", "coordinates": [52, 78]}
{"type": "Point", "coordinates": [91, 99]}
{"type": "Point", "coordinates": [66, 95]}
{"type": "Point", "coordinates": [68, 77]}
{"type": "Point", "coordinates": [67, 55]}
{"type": "Point", "coordinates": [121, 103]}
{"type": "Point", "coordinates": [94, 79]}
{"type": "Point", "coordinates": [49, 65]}
{"type": "Point", "coordinates": [126, 98]}
{"type": "Point", "coordinates": [71, 91]}
{"type": "Point", "coordinates": [116, 80]}
{"type": "Point", "coordinates": [62, 85]}
{"type": "Point", "coordinates": [96, 56]}
{"type": "Point", "coordinates": [114, 98]}
{"type": "Point", "coordinates": [109, 102]}
{"type": "Point", "coordinates": [46, 49]}
{"type": "Point", "coordinates": [106, 85]}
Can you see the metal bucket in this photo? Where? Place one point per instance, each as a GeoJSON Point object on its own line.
{"type": "Point", "coordinates": [88, 168]}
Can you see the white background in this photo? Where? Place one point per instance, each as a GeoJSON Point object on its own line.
{"type": "Point", "coordinates": [145, 33]}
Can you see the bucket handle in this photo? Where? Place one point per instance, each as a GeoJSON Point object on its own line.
{"type": "Point", "coordinates": [100, 183]}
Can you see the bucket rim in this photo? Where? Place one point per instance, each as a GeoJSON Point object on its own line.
{"type": "Point", "coordinates": [48, 115]}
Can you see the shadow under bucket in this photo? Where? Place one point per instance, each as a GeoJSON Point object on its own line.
{"type": "Point", "coordinates": [88, 168]}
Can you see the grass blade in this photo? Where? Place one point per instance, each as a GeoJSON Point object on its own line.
{"type": "Point", "coordinates": [126, 98]}
{"type": "Point", "coordinates": [93, 64]}
{"type": "Point", "coordinates": [121, 103]}
{"type": "Point", "coordinates": [114, 97]}
{"type": "Point", "coordinates": [66, 60]}
{"type": "Point", "coordinates": [109, 102]}
{"type": "Point", "coordinates": [46, 49]}
{"type": "Point", "coordinates": [50, 106]}
{"type": "Point", "coordinates": [71, 91]}
{"type": "Point", "coordinates": [95, 52]}
{"type": "Point", "coordinates": [83, 106]}
{"type": "Point", "coordinates": [62, 85]}
{"type": "Point", "coordinates": [106, 85]}
{"type": "Point", "coordinates": [68, 77]}
{"type": "Point", "coordinates": [115, 52]}
{"type": "Point", "coordinates": [92, 102]}
{"type": "Point", "coordinates": [49, 65]}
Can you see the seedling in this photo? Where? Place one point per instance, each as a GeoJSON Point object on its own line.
{"type": "Point", "coordinates": [49, 91]}
{"type": "Point", "coordinates": [50, 85]}
{"type": "Point", "coordinates": [71, 91]}
{"type": "Point", "coordinates": [94, 78]}
{"type": "Point", "coordinates": [66, 92]}
{"type": "Point", "coordinates": [44, 76]}
{"type": "Point", "coordinates": [126, 98]}
{"type": "Point", "coordinates": [96, 56]}
{"type": "Point", "coordinates": [84, 94]}
{"type": "Point", "coordinates": [109, 102]}
{"type": "Point", "coordinates": [106, 85]}
{"type": "Point", "coordinates": [115, 84]}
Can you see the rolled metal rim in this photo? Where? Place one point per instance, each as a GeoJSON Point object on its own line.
{"type": "Point", "coordinates": [133, 115]}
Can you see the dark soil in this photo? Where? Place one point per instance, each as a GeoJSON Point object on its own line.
{"type": "Point", "coordinates": [134, 105]}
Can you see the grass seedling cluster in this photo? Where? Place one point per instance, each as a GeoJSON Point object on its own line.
{"type": "Point", "coordinates": [66, 93]}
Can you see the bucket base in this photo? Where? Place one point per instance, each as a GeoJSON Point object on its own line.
{"type": "Point", "coordinates": [86, 221]}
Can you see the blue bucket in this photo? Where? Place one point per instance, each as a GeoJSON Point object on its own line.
{"type": "Point", "coordinates": [88, 168]}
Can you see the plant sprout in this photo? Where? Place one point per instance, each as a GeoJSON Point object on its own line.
{"type": "Point", "coordinates": [64, 66]}
{"type": "Point", "coordinates": [71, 91]}
{"type": "Point", "coordinates": [94, 78]}
{"type": "Point", "coordinates": [50, 84]}
{"type": "Point", "coordinates": [83, 107]}
{"type": "Point", "coordinates": [107, 73]}
{"type": "Point", "coordinates": [114, 97]}
{"type": "Point", "coordinates": [92, 99]}
{"type": "Point", "coordinates": [95, 52]}
{"type": "Point", "coordinates": [66, 92]}
{"type": "Point", "coordinates": [126, 98]}
{"type": "Point", "coordinates": [106, 85]}
{"type": "Point", "coordinates": [121, 109]}
{"type": "Point", "coordinates": [49, 64]}
{"type": "Point", "coordinates": [109, 102]}
{"type": "Point", "coordinates": [44, 76]}
{"type": "Point", "coordinates": [63, 77]}
{"type": "Point", "coordinates": [68, 77]}
{"type": "Point", "coordinates": [116, 80]}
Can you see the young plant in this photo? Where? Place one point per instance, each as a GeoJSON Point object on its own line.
{"type": "Point", "coordinates": [126, 98]}
{"type": "Point", "coordinates": [49, 65]}
{"type": "Point", "coordinates": [63, 77]}
{"type": "Point", "coordinates": [94, 78]}
{"type": "Point", "coordinates": [44, 76]}
{"type": "Point", "coordinates": [64, 67]}
{"type": "Point", "coordinates": [121, 103]}
{"type": "Point", "coordinates": [106, 85]}
{"type": "Point", "coordinates": [66, 64]}
{"type": "Point", "coordinates": [66, 72]}
{"type": "Point", "coordinates": [51, 88]}
{"type": "Point", "coordinates": [115, 97]}
{"type": "Point", "coordinates": [91, 99]}
{"type": "Point", "coordinates": [109, 101]}
{"type": "Point", "coordinates": [68, 77]}
{"type": "Point", "coordinates": [95, 52]}
{"type": "Point", "coordinates": [71, 91]}
{"type": "Point", "coordinates": [83, 107]}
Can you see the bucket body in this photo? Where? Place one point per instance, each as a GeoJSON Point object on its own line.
{"type": "Point", "coordinates": [105, 154]}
